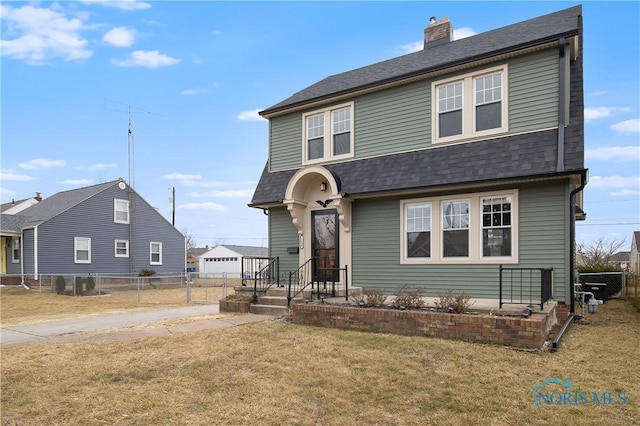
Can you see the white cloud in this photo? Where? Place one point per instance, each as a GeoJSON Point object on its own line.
{"type": "Point", "coordinates": [128, 5]}
{"type": "Point", "coordinates": [98, 166]}
{"type": "Point", "coordinates": [80, 182]}
{"type": "Point", "coordinates": [614, 182]}
{"type": "Point", "coordinates": [600, 112]}
{"type": "Point", "coordinates": [179, 176]}
{"type": "Point", "coordinates": [599, 93]}
{"type": "Point", "coordinates": [464, 32]}
{"type": "Point", "coordinates": [41, 34]}
{"type": "Point", "coordinates": [42, 163]}
{"type": "Point", "coordinates": [216, 32]}
{"type": "Point", "coordinates": [412, 47]}
{"type": "Point", "coordinates": [147, 59]}
{"type": "Point", "coordinates": [628, 126]}
{"type": "Point", "coordinates": [231, 193]}
{"type": "Point", "coordinates": [193, 91]}
{"type": "Point", "coordinates": [215, 184]}
{"type": "Point", "coordinates": [625, 192]}
{"type": "Point", "coordinates": [203, 206]}
{"type": "Point", "coordinates": [251, 115]}
{"type": "Point", "coordinates": [615, 153]}
{"type": "Point", "coordinates": [120, 37]}
{"type": "Point", "coordinates": [9, 174]}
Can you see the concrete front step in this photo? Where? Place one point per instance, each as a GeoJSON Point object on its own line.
{"type": "Point", "coordinates": [268, 309]}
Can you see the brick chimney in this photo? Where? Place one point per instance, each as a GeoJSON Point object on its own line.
{"type": "Point", "coordinates": [38, 197]}
{"type": "Point", "coordinates": [438, 33]}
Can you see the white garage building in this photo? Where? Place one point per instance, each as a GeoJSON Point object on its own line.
{"type": "Point", "coordinates": [228, 259]}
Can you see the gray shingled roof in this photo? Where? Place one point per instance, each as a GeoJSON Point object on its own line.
{"type": "Point", "coordinates": [248, 250]}
{"type": "Point", "coordinates": [513, 157]}
{"type": "Point", "coordinates": [52, 206]}
{"type": "Point", "coordinates": [510, 38]}
{"type": "Point", "coordinates": [11, 224]}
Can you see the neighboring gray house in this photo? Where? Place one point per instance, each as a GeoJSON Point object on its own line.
{"type": "Point", "coordinates": [634, 255]}
{"type": "Point", "coordinates": [434, 168]}
{"type": "Point", "coordinates": [100, 229]}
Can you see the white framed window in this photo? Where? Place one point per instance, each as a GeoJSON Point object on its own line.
{"type": "Point", "coordinates": [468, 228]}
{"type": "Point", "coordinates": [469, 106]}
{"type": "Point", "coordinates": [155, 253]}
{"type": "Point", "coordinates": [82, 249]}
{"type": "Point", "coordinates": [455, 228]}
{"type": "Point", "coordinates": [15, 250]}
{"type": "Point", "coordinates": [120, 211]}
{"type": "Point", "coordinates": [417, 231]}
{"type": "Point", "coordinates": [328, 134]}
{"type": "Point", "coordinates": [497, 226]}
{"type": "Point", "coordinates": [122, 248]}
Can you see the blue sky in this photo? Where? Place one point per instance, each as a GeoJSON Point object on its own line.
{"type": "Point", "coordinates": [192, 76]}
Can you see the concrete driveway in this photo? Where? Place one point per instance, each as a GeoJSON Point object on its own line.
{"type": "Point", "coordinates": [119, 326]}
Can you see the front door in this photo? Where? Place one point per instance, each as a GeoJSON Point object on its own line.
{"type": "Point", "coordinates": [324, 245]}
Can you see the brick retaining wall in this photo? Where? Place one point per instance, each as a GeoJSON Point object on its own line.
{"type": "Point", "coordinates": [511, 331]}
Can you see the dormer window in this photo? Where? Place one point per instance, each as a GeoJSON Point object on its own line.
{"type": "Point", "coordinates": [470, 106]}
{"type": "Point", "coordinates": [328, 134]}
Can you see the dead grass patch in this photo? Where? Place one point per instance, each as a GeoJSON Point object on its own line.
{"type": "Point", "coordinates": [20, 306]}
{"type": "Point", "coordinates": [274, 373]}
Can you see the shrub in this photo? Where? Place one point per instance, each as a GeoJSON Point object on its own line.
{"type": "Point", "coordinates": [91, 284]}
{"type": "Point", "coordinates": [408, 298]}
{"type": "Point", "coordinates": [60, 284]}
{"type": "Point", "coordinates": [371, 298]}
{"type": "Point", "coordinates": [147, 272]}
{"type": "Point", "coordinates": [78, 285]}
{"type": "Point", "coordinates": [456, 302]}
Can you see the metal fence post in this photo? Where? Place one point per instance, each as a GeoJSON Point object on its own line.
{"type": "Point", "coordinates": [188, 287]}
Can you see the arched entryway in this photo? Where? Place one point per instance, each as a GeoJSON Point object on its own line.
{"type": "Point", "coordinates": [322, 217]}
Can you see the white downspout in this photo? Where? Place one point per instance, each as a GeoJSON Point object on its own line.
{"type": "Point", "coordinates": [35, 252]}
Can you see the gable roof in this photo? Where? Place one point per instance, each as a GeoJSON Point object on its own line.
{"type": "Point", "coordinates": [564, 23]}
{"type": "Point", "coordinates": [11, 224]}
{"type": "Point", "coordinates": [58, 203]}
{"type": "Point", "coordinates": [245, 250]}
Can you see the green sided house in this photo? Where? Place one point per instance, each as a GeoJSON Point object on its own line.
{"type": "Point", "coordinates": [457, 167]}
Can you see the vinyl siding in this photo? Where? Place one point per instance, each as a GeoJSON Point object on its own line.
{"type": "Point", "coordinates": [28, 251]}
{"type": "Point", "coordinates": [533, 91]}
{"type": "Point", "coordinates": [282, 234]}
{"type": "Point", "coordinates": [543, 234]}
{"type": "Point", "coordinates": [399, 119]}
{"type": "Point", "coordinates": [93, 218]}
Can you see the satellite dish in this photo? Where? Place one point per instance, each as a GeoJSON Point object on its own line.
{"type": "Point", "coordinates": [121, 185]}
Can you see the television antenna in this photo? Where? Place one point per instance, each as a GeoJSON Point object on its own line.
{"type": "Point", "coordinates": [116, 106]}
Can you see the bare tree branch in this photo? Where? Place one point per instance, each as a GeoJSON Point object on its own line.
{"type": "Point", "coordinates": [598, 252]}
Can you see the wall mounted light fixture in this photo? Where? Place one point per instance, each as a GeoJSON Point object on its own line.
{"type": "Point", "coordinates": [323, 186]}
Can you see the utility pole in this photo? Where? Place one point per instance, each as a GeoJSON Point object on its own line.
{"type": "Point", "coordinates": [173, 199]}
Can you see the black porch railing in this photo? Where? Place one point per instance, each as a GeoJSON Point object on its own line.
{"type": "Point", "coordinates": [526, 285]}
{"type": "Point", "coordinates": [261, 273]}
{"type": "Point", "coordinates": [322, 281]}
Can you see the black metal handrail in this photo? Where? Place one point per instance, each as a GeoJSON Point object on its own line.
{"type": "Point", "coordinates": [263, 276]}
{"type": "Point", "coordinates": [525, 283]}
{"type": "Point", "coordinates": [300, 279]}
{"type": "Point", "coordinates": [323, 281]}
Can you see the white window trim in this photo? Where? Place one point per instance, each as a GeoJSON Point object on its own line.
{"type": "Point", "coordinates": [475, 230]}
{"type": "Point", "coordinates": [15, 259]}
{"type": "Point", "coordinates": [403, 250]}
{"type": "Point", "coordinates": [126, 242]}
{"type": "Point", "coordinates": [115, 210]}
{"type": "Point", "coordinates": [151, 262]}
{"type": "Point", "coordinates": [328, 134]}
{"type": "Point", "coordinates": [469, 106]}
{"type": "Point", "coordinates": [75, 249]}
{"type": "Point", "coordinates": [442, 230]}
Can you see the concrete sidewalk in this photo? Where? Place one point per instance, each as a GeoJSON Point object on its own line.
{"type": "Point", "coordinates": [119, 326]}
